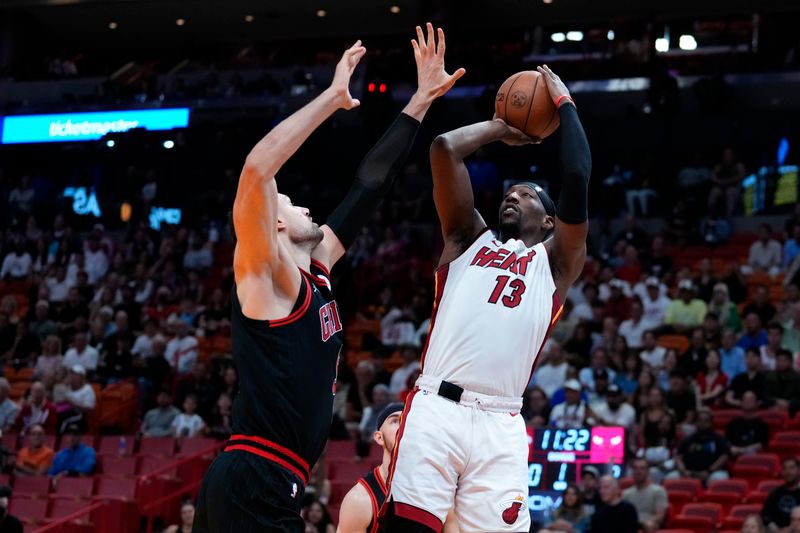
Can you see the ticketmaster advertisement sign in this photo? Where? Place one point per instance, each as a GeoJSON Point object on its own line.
{"type": "Point", "coordinates": [68, 127]}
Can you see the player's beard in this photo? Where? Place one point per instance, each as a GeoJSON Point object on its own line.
{"type": "Point", "coordinates": [510, 228]}
{"type": "Point", "coordinates": [308, 237]}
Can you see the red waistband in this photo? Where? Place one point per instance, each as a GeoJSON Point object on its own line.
{"type": "Point", "coordinates": [271, 451]}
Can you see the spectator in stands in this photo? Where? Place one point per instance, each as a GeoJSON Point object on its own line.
{"type": "Point", "coordinates": [143, 346]}
{"type": "Point", "coordinates": [670, 365]}
{"type": "Point", "coordinates": [782, 385]}
{"type": "Point", "coordinates": [36, 410]}
{"type": "Point", "coordinates": [551, 373]}
{"type": "Point", "coordinates": [76, 459]}
{"type": "Point", "coordinates": [597, 397]}
{"type": "Point", "coordinates": [649, 499]}
{"type": "Point", "coordinates": [318, 518]}
{"type": "Point", "coordinates": [618, 304]}
{"type": "Point", "coordinates": [658, 261]}
{"type": "Point", "coordinates": [791, 248]}
{"type": "Point", "coordinates": [17, 263]}
{"type": "Point", "coordinates": [615, 411]}
{"type": "Point", "coordinates": [360, 393]}
{"type": "Point", "coordinates": [158, 421]}
{"type": "Point", "coordinates": [591, 496]}
{"type": "Point", "coordinates": [410, 355]}
{"type": "Point", "coordinates": [188, 424]}
{"type": "Point", "coordinates": [201, 385]}
{"type": "Point", "coordinates": [781, 502]}
{"type": "Point", "coordinates": [652, 354]}
{"type": "Point", "coordinates": [81, 354]}
{"type": "Point", "coordinates": [51, 359]}
{"type": "Point", "coordinates": [706, 280]}
{"type": "Point", "coordinates": [21, 197]}
{"type": "Point", "coordinates": [711, 383]}
{"type": "Point", "coordinates": [79, 399]}
{"type": "Point", "coordinates": [753, 335]}
{"type": "Point", "coordinates": [659, 447]}
{"type": "Point", "coordinates": [712, 331]}
{"type": "Point", "coordinates": [704, 454]}
{"type": "Point", "coordinates": [616, 514]}
{"type": "Point", "coordinates": [215, 318]}
{"type": "Point", "coordinates": [791, 330]}
{"type": "Point", "coordinates": [633, 328]}
{"type": "Point", "coordinates": [42, 325]}
{"type": "Point", "coordinates": [731, 356]}
{"type": "Point", "coordinates": [536, 407]}
{"type": "Point", "coordinates": [752, 379]}
{"type": "Point", "coordinates": [627, 378]}
{"type": "Point", "coordinates": [599, 362]}
{"type": "Point", "coordinates": [571, 413]}
{"type": "Point", "coordinates": [96, 259]}
{"type": "Point", "coordinates": [8, 409]}
{"type": "Point", "coordinates": [36, 458]}
{"type": "Point", "coordinates": [687, 311]}
{"type": "Point", "coordinates": [753, 524]}
{"type": "Point", "coordinates": [789, 298]}
{"type": "Point", "coordinates": [181, 351]}
{"type": "Point", "coordinates": [761, 305]}
{"type": "Point", "coordinates": [747, 433]}
{"type": "Point", "coordinates": [219, 424]}
{"type": "Point", "coordinates": [680, 398]}
{"type": "Point", "coordinates": [187, 519]}
{"type": "Point", "coordinates": [571, 515]}
{"type": "Point", "coordinates": [655, 303]}
{"type": "Point", "coordinates": [8, 522]}
{"type": "Point", "coordinates": [765, 254]}
{"type": "Point", "coordinates": [794, 526]}
{"type": "Point", "coordinates": [26, 347]}
{"type": "Point", "coordinates": [726, 179]}
{"type": "Point", "coordinates": [653, 410]}
{"type": "Point", "coordinates": [693, 359]}
{"type": "Point", "coordinates": [199, 256]}
{"type": "Point", "coordinates": [769, 351]}
{"type": "Point", "coordinates": [725, 309]}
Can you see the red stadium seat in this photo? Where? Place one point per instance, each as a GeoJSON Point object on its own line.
{"type": "Point", "coordinates": [163, 446]}
{"type": "Point", "coordinates": [115, 488]}
{"type": "Point", "coordinates": [785, 444]}
{"type": "Point", "coordinates": [738, 487]}
{"type": "Point", "coordinates": [776, 419]}
{"type": "Point", "coordinates": [61, 507]}
{"type": "Point", "coordinates": [196, 445]}
{"type": "Point", "coordinates": [340, 449]}
{"type": "Point", "coordinates": [756, 467]}
{"type": "Point", "coordinates": [723, 416]}
{"type": "Point", "coordinates": [32, 486]}
{"type": "Point", "coordinates": [74, 488]}
{"type": "Point", "coordinates": [686, 484]}
{"type": "Point", "coordinates": [113, 465]}
{"type": "Point", "coordinates": [10, 440]}
{"type": "Point", "coordinates": [759, 495]}
{"type": "Point", "coordinates": [149, 464]}
{"type": "Point", "coordinates": [111, 445]}
{"type": "Point", "coordinates": [739, 513]}
{"type": "Point", "coordinates": [347, 471]}
{"type": "Point", "coordinates": [699, 517]}
{"type": "Point", "coordinates": [32, 511]}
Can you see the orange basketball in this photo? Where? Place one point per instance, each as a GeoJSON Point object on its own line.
{"type": "Point", "coordinates": [524, 102]}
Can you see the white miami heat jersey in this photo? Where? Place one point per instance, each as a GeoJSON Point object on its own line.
{"type": "Point", "coordinates": [494, 307]}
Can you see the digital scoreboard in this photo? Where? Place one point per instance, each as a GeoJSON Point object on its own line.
{"type": "Point", "coordinates": [556, 457]}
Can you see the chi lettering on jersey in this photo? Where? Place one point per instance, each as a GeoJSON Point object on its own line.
{"type": "Point", "coordinates": [329, 321]}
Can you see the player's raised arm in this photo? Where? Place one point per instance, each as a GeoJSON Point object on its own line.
{"type": "Point", "coordinates": [385, 160]}
{"type": "Point", "coordinates": [355, 514]}
{"type": "Point", "coordinates": [452, 189]}
{"type": "Point", "coordinates": [255, 207]}
{"type": "Point", "coordinates": [568, 245]}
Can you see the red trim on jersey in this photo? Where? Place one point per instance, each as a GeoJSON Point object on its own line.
{"type": "Point", "coordinates": [270, 457]}
{"type": "Point", "coordinates": [300, 311]}
{"type": "Point", "coordinates": [377, 472]}
{"type": "Point", "coordinates": [275, 446]}
{"type": "Point", "coordinates": [555, 314]}
{"type": "Point", "coordinates": [403, 418]}
{"type": "Point", "coordinates": [474, 240]}
{"type": "Point", "coordinates": [374, 502]}
{"type": "Point", "coordinates": [322, 267]}
{"type": "Point", "coordinates": [416, 514]}
{"type": "Point", "coordinates": [440, 279]}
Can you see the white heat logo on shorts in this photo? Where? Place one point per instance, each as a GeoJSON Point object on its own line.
{"type": "Point", "coordinates": [511, 509]}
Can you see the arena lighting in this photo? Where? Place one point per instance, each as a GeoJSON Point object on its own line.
{"type": "Point", "coordinates": [558, 37]}
{"type": "Point", "coordinates": [169, 144]}
{"type": "Point", "coordinates": [574, 35]}
{"type": "Point", "coordinates": [110, 143]}
{"type": "Point", "coordinates": [547, 1]}
{"type": "Point", "coordinates": [382, 88]}
{"type": "Point", "coordinates": [394, 9]}
{"type": "Point", "coordinates": [610, 35]}
{"type": "Point", "coordinates": [249, 18]}
{"type": "Point", "coordinates": [687, 42]}
{"type": "Point", "coordinates": [321, 13]}
{"type": "Point", "coordinates": [112, 25]}
{"type": "Point", "coordinates": [371, 87]}
{"type": "Point", "coordinates": [662, 44]}
{"type": "Point", "coordinates": [180, 22]}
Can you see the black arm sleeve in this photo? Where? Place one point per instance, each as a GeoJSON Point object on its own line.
{"type": "Point", "coordinates": [374, 178]}
{"type": "Point", "coordinates": [575, 160]}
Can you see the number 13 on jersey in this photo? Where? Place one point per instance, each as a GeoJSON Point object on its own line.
{"type": "Point", "coordinates": [511, 297]}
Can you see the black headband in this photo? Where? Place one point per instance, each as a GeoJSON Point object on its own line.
{"type": "Point", "coordinates": [547, 202]}
{"type": "Point", "coordinates": [388, 411]}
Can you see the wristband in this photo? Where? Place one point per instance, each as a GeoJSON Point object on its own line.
{"type": "Point", "coordinates": [564, 97]}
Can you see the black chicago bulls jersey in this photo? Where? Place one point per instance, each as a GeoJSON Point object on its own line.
{"type": "Point", "coordinates": [287, 375]}
{"type": "Point", "coordinates": [376, 488]}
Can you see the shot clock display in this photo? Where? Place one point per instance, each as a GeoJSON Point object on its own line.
{"type": "Point", "coordinates": [556, 457]}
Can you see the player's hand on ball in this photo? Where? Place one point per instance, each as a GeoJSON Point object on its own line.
{"type": "Point", "coordinates": [341, 78]}
{"type": "Point", "coordinates": [432, 79]}
{"type": "Point", "coordinates": [514, 137]}
{"type": "Point", "coordinates": [555, 86]}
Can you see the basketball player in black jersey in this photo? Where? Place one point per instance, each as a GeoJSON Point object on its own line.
{"type": "Point", "coordinates": [361, 505]}
{"type": "Point", "coordinates": [285, 323]}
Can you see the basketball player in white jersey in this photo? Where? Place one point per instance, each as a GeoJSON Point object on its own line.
{"type": "Point", "coordinates": [461, 441]}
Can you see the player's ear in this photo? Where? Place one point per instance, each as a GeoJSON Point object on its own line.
{"type": "Point", "coordinates": [378, 437]}
{"type": "Point", "coordinates": [281, 225]}
{"type": "Point", "coordinates": [549, 223]}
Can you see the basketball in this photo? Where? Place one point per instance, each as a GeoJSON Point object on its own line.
{"type": "Point", "coordinates": [524, 102]}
